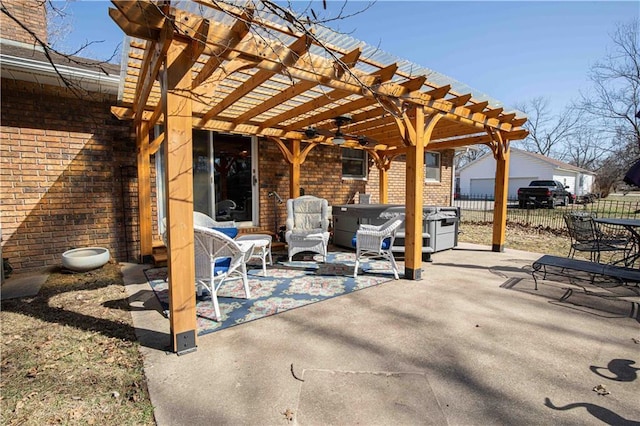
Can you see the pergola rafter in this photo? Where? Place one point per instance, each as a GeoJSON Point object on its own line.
{"type": "Point", "coordinates": [245, 70]}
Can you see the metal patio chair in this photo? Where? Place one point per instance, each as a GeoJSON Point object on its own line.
{"type": "Point", "coordinates": [587, 237]}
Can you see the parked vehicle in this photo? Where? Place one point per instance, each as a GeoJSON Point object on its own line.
{"type": "Point", "coordinates": [549, 193]}
{"type": "Point", "coordinates": [587, 198]}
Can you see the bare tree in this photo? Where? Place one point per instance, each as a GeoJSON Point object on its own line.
{"type": "Point", "coordinates": [586, 147]}
{"type": "Point", "coordinates": [615, 99]}
{"type": "Point", "coordinates": [471, 153]}
{"type": "Point", "coordinates": [58, 23]}
{"type": "Point", "coordinates": [612, 106]}
{"type": "Point", "coordinates": [547, 132]}
{"type": "Point", "coordinates": [612, 168]}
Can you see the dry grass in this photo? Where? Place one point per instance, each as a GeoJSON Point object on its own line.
{"type": "Point", "coordinates": [537, 240]}
{"type": "Point", "coordinates": [70, 356]}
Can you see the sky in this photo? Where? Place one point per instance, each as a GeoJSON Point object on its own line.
{"type": "Point", "coordinates": [513, 51]}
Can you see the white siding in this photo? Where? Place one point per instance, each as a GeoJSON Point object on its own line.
{"type": "Point", "coordinates": [484, 167]}
{"type": "Point", "coordinates": [587, 184]}
{"type": "Point", "coordinates": [482, 187]}
{"type": "Point", "coordinates": [568, 180]}
{"type": "Point", "coordinates": [521, 168]}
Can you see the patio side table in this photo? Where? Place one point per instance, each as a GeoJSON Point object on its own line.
{"type": "Point", "coordinates": [262, 248]}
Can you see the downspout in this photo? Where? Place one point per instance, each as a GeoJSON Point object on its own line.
{"type": "Point", "coordinates": [453, 178]}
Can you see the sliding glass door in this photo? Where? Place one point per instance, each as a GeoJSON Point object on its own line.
{"type": "Point", "coordinates": [234, 177]}
{"type": "Point", "coordinates": [224, 177]}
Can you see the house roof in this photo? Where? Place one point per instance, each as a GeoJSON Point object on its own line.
{"type": "Point", "coordinates": [551, 161]}
{"type": "Point", "coordinates": [255, 73]}
{"type": "Point", "coordinates": [29, 62]}
{"type": "Point", "coordinates": [556, 163]}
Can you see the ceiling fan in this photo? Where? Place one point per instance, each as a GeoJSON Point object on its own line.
{"type": "Point", "coordinates": [338, 138]}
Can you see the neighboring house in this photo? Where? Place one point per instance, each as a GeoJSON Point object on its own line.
{"type": "Point", "coordinates": [69, 173]}
{"type": "Point", "coordinates": [477, 178]}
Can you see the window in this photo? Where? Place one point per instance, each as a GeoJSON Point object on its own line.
{"type": "Point", "coordinates": [354, 163]}
{"type": "Point", "coordinates": [432, 166]}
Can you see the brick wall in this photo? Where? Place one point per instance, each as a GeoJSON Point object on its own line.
{"type": "Point", "coordinates": [320, 175]}
{"type": "Point", "coordinates": [434, 193]}
{"type": "Point", "coordinates": [68, 176]}
{"type": "Point", "coordinates": [31, 13]}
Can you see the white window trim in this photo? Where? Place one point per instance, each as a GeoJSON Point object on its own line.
{"type": "Point", "coordinates": [430, 180]}
{"type": "Point", "coordinates": [365, 167]}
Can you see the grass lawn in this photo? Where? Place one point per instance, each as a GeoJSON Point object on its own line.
{"type": "Point", "coordinates": [70, 355]}
{"type": "Point", "coordinates": [537, 240]}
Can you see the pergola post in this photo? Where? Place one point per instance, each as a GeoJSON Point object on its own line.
{"type": "Point", "coordinates": [176, 85]}
{"type": "Point", "coordinates": [383, 183]}
{"type": "Point", "coordinates": [144, 191]}
{"type": "Point", "coordinates": [418, 134]}
{"type": "Point", "coordinates": [414, 201]}
{"type": "Point", "coordinates": [501, 192]}
{"type": "Point", "coordinates": [294, 169]}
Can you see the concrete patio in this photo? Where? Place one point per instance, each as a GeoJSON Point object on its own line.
{"type": "Point", "coordinates": [470, 343]}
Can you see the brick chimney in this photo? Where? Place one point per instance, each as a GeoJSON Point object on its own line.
{"type": "Point", "coordinates": [32, 14]}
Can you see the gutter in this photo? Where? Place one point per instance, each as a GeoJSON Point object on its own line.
{"type": "Point", "coordinates": [30, 70]}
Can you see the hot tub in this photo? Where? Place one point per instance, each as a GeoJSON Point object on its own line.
{"type": "Point", "coordinates": [439, 225]}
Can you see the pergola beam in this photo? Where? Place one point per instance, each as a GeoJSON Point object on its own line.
{"type": "Point", "coordinates": [237, 32]}
{"type": "Point", "coordinates": [151, 64]}
{"type": "Point", "coordinates": [291, 56]}
{"type": "Point", "coordinates": [318, 102]}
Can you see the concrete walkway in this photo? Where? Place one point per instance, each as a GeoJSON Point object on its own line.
{"type": "Point", "coordinates": [470, 344]}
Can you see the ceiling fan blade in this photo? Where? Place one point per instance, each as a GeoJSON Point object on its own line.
{"type": "Point", "coordinates": [362, 140]}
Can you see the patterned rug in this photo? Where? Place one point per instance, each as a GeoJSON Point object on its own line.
{"type": "Point", "coordinates": [288, 285]}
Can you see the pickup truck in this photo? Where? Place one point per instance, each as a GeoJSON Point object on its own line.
{"type": "Point", "coordinates": [549, 193]}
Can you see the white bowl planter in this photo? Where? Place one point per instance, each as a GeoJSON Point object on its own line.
{"type": "Point", "coordinates": [85, 259]}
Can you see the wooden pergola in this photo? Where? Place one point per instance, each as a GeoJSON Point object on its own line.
{"type": "Point", "coordinates": [242, 70]}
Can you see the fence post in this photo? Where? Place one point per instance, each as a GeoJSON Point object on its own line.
{"type": "Point", "coordinates": [485, 207]}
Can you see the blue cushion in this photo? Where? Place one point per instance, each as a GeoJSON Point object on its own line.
{"type": "Point", "coordinates": [230, 232]}
{"type": "Point", "coordinates": [385, 243]}
{"type": "Point", "coordinates": [222, 265]}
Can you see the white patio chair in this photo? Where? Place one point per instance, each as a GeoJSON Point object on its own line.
{"type": "Point", "coordinates": [375, 242]}
{"type": "Point", "coordinates": [201, 219]}
{"type": "Point", "coordinates": [224, 208]}
{"type": "Point", "coordinates": [219, 259]}
{"type": "Point", "coordinates": [307, 226]}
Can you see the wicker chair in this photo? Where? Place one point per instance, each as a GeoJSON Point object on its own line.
{"type": "Point", "coordinates": [375, 242]}
{"type": "Point", "coordinates": [307, 226]}
{"type": "Point", "coordinates": [201, 219]}
{"type": "Point", "coordinates": [219, 259]}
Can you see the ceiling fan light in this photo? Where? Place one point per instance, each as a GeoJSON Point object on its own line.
{"type": "Point", "coordinates": [339, 140]}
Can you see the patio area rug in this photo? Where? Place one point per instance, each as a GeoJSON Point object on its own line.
{"type": "Point", "coordinates": [288, 285]}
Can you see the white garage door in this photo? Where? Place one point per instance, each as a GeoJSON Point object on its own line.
{"type": "Point", "coordinates": [482, 187]}
{"type": "Point", "coordinates": [515, 183]}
